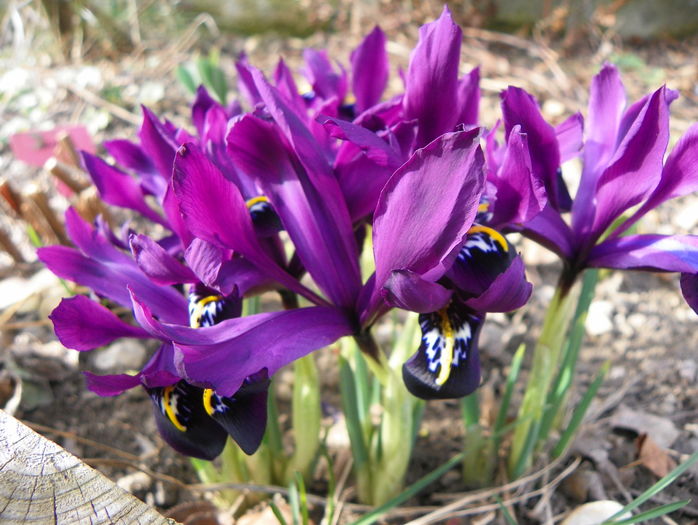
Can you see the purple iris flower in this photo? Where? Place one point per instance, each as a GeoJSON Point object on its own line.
{"type": "Point", "coordinates": [624, 176]}
{"type": "Point", "coordinates": [433, 258]}
{"type": "Point", "coordinates": [192, 417]}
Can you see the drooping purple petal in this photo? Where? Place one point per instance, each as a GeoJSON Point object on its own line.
{"type": "Point", "coordinates": [183, 422]}
{"type": "Point", "coordinates": [158, 372]}
{"type": "Point", "coordinates": [158, 264]}
{"type": "Point", "coordinates": [281, 338]}
{"type": "Point", "coordinates": [689, 289]}
{"type": "Point", "coordinates": [431, 82]}
{"type": "Point", "coordinates": [520, 108]}
{"type": "Point", "coordinates": [427, 206]}
{"type": "Point", "coordinates": [377, 149]}
{"type": "Point", "coordinates": [129, 155]}
{"type": "Point", "coordinates": [508, 291]}
{"type": "Point", "coordinates": [447, 364]}
{"type": "Point", "coordinates": [407, 290]}
{"type": "Point", "coordinates": [111, 281]}
{"type": "Point", "coordinates": [111, 384]}
{"type": "Point", "coordinates": [550, 230]}
{"type": "Point", "coordinates": [82, 324]}
{"type": "Point", "coordinates": [677, 253]}
{"type": "Point", "coordinates": [117, 188]}
{"type": "Point", "coordinates": [369, 65]}
{"type": "Point", "coordinates": [636, 167]}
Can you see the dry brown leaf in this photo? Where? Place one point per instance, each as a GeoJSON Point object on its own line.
{"type": "Point", "coordinates": [653, 457]}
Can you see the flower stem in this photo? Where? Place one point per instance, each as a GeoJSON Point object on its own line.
{"type": "Point", "coordinates": [306, 416]}
{"type": "Point", "coordinates": [546, 357]}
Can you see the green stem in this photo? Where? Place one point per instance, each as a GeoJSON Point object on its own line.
{"type": "Point", "coordinates": [546, 357]}
{"type": "Point", "coordinates": [306, 415]}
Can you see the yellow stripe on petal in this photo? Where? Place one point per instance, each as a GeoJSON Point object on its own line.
{"type": "Point", "coordinates": [170, 410]}
{"type": "Point", "coordinates": [208, 395]}
{"type": "Point", "coordinates": [498, 237]}
{"type": "Point", "coordinates": [446, 357]}
{"type": "Point", "coordinates": [256, 200]}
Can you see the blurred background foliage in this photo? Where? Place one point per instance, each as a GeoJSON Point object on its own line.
{"type": "Point", "coordinates": [71, 29]}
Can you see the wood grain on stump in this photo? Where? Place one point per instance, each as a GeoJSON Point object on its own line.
{"type": "Point", "coordinates": [40, 482]}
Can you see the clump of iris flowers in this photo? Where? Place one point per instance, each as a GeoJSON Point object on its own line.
{"type": "Point", "coordinates": [288, 195]}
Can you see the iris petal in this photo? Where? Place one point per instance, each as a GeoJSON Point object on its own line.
{"type": "Point", "coordinates": [485, 255]}
{"type": "Point", "coordinates": [183, 422]}
{"type": "Point", "coordinates": [244, 415]}
{"type": "Point", "coordinates": [446, 364]}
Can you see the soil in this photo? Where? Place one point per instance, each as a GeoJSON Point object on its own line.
{"type": "Point", "coordinates": [638, 321]}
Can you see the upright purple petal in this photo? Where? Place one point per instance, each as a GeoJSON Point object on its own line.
{"type": "Point", "coordinates": [158, 143]}
{"type": "Point", "coordinates": [636, 167]}
{"type": "Point", "coordinates": [520, 108]}
{"type": "Point", "coordinates": [326, 82]}
{"type": "Point", "coordinates": [304, 192]}
{"type": "Point", "coordinates": [679, 177]}
{"type": "Point", "coordinates": [283, 78]}
{"type": "Point", "coordinates": [570, 137]}
{"type": "Point", "coordinates": [431, 82]}
{"type": "Point", "coordinates": [469, 98]}
{"type": "Point", "coordinates": [520, 193]}
{"type": "Point", "coordinates": [200, 107]}
{"type": "Point", "coordinates": [369, 66]}
{"type": "Point", "coordinates": [216, 212]}
{"type": "Point", "coordinates": [427, 207]}
{"type": "Point", "coordinates": [82, 324]}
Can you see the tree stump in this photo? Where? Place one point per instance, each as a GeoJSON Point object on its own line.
{"type": "Point", "coordinates": [40, 482]}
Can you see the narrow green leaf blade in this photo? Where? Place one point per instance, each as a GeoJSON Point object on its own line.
{"type": "Point", "coordinates": [410, 491]}
{"type": "Point", "coordinates": [659, 486]}
{"type": "Point", "coordinates": [656, 512]}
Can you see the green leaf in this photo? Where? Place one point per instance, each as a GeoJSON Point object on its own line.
{"type": "Point", "coordinates": [347, 388]}
{"type": "Point", "coordinates": [410, 491]}
{"type": "Point", "coordinates": [656, 512]}
{"type": "Point", "coordinates": [580, 411]}
{"type": "Point", "coordinates": [505, 512]}
{"type": "Point", "coordinates": [562, 383]}
{"type": "Point", "coordinates": [185, 78]}
{"type": "Point", "coordinates": [658, 487]}
{"type": "Point", "coordinates": [277, 513]}
{"type": "Point", "coordinates": [527, 449]}
{"type": "Point", "coordinates": [512, 377]}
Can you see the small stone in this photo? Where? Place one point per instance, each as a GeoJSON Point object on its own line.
{"type": "Point", "coordinates": [599, 318]}
{"type": "Point", "coordinates": [594, 513]}
{"type": "Point", "coordinates": [122, 355]}
{"type": "Point", "coordinates": [138, 481]}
